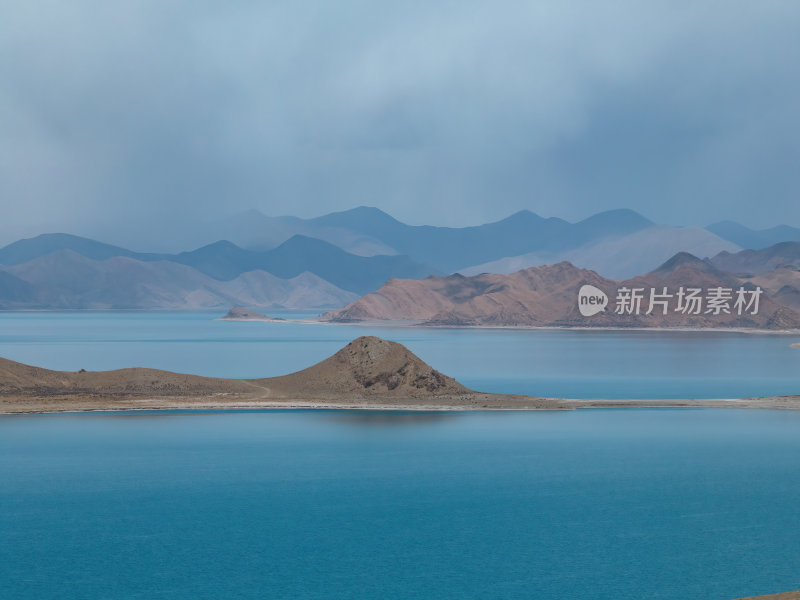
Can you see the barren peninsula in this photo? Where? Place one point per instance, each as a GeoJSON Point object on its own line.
{"type": "Point", "coordinates": [368, 373]}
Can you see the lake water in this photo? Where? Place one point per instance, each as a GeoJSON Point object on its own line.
{"type": "Point", "coordinates": [574, 364]}
{"type": "Point", "coordinates": [597, 504]}
{"type": "Point", "coordinates": [600, 504]}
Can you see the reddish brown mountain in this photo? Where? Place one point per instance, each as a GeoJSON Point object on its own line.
{"type": "Point", "coordinates": [759, 261]}
{"type": "Point", "coordinates": [548, 296]}
{"type": "Point", "coordinates": [783, 285]}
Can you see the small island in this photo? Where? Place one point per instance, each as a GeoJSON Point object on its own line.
{"type": "Point", "coordinates": [237, 313]}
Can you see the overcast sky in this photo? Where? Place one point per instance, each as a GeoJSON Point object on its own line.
{"type": "Point", "coordinates": [113, 114]}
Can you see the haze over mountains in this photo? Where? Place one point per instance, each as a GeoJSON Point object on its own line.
{"type": "Point", "coordinates": [64, 271]}
{"type": "Point", "coordinates": [329, 261]}
{"type": "Point", "coordinates": [65, 279]}
{"type": "Point", "coordinates": [521, 240]}
{"type": "Point", "coordinates": [618, 257]}
{"type": "Point", "coordinates": [224, 260]}
{"type": "Point", "coordinates": [755, 239]}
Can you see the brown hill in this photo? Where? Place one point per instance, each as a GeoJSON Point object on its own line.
{"type": "Point", "coordinates": [547, 296]}
{"type": "Point", "coordinates": [759, 261]}
{"type": "Point", "coordinates": [783, 285]}
{"type": "Point", "coordinates": [534, 296]}
{"type": "Point", "coordinates": [372, 366]}
{"type": "Point", "coordinates": [369, 371]}
{"type": "Point", "coordinates": [19, 379]}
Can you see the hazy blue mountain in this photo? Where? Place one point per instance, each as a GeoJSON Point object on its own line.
{"type": "Point", "coordinates": [368, 231]}
{"type": "Point", "coordinates": [221, 260]}
{"type": "Point", "coordinates": [256, 231]}
{"type": "Point", "coordinates": [66, 279]}
{"type": "Point", "coordinates": [363, 232]}
{"type": "Point", "coordinates": [759, 261]}
{"type": "Point", "coordinates": [27, 249]}
{"type": "Point", "coordinates": [347, 271]}
{"type": "Point", "coordinates": [618, 256]}
{"type": "Point", "coordinates": [299, 254]}
{"type": "Point", "coordinates": [359, 249]}
{"type": "Point", "coordinates": [754, 239]}
{"type": "Point", "coordinates": [609, 223]}
{"type": "Point", "coordinates": [16, 292]}
{"type": "Point", "coordinates": [224, 260]}
{"type": "Point", "coordinates": [452, 248]}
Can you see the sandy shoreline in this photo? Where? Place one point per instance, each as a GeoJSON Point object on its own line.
{"type": "Point", "coordinates": [412, 324]}
{"type": "Point", "coordinates": [482, 402]}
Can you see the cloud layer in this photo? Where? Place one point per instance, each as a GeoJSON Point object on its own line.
{"type": "Point", "coordinates": [119, 114]}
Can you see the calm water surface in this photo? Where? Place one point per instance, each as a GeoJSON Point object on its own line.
{"type": "Point", "coordinates": [576, 364]}
{"type": "Point", "coordinates": [667, 504]}
{"type": "Point", "coordinates": [615, 504]}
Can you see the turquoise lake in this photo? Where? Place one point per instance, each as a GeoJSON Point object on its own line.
{"type": "Point", "coordinates": [574, 364]}
{"type": "Point", "coordinates": [595, 504]}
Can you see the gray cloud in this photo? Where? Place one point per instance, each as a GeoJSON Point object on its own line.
{"type": "Point", "coordinates": [115, 115]}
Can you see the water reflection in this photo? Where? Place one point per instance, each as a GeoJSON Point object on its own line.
{"type": "Point", "coordinates": [386, 418]}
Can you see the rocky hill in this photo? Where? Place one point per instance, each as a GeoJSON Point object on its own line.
{"type": "Point", "coordinates": [549, 296]}
{"type": "Point", "coordinates": [373, 366]}
{"type": "Point", "coordinates": [369, 371]}
{"type": "Point", "coordinates": [759, 261]}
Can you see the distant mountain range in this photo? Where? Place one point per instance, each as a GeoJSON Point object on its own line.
{"type": "Point", "coordinates": [66, 279]}
{"type": "Point", "coordinates": [609, 239]}
{"type": "Point", "coordinates": [618, 243]}
{"type": "Point", "coordinates": [548, 296]}
{"type": "Point", "coordinates": [273, 262]}
{"type": "Point", "coordinates": [66, 271]}
{"type": "Point", "coordinates": [224, 260]}
{"type": "Point", "coordinates": [754, 239]}
{"type": "Point", "coordinates": [619, 257]}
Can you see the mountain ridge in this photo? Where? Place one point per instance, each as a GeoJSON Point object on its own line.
{"type": "Point", "coordinates": [65, 280]}
{"type": "Point", "coordinates": [223, 260]}
{"type": "Point", "coordinates": [754, 239]}
{"type": "Point", "coordinates": [547, 296]}
{"type": "Point", "coordinates": [759, 261]}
